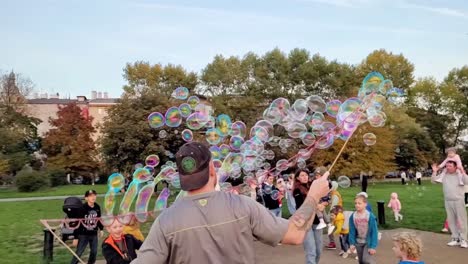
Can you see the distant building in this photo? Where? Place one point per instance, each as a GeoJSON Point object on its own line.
{"type": "Point", "coordinates": [46, 107]}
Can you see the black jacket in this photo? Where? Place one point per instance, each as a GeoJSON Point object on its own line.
{"type": "Point", "coordinates": [269, 202]}
{"type": "Point", "coordinates": [90, 225]}
{"type": "Point", "coordinates": [112, 253]}
{"type": "Point", "coordinates": [299, 199]}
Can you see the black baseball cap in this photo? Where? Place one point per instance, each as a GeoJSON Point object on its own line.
{"type": "Point", "coordinates": [89, 192]}
{"type": "Point", "coordinates": [193, 164]}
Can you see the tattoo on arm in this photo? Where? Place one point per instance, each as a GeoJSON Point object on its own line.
{"type": "Point", "coordinates": [303, 216]}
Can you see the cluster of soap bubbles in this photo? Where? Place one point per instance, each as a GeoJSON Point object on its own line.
{"type": "Point", "coordinates": [309, 124]}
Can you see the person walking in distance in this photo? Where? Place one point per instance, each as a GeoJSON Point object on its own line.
{"type": "Point", "coordinates": [403, 177]}
{"type": "Point", "coordinates": [454, 195]}
{"type": "Point", "coordinates": [209, 226]}
{"type": "Point", "coordinates": [418, 177]}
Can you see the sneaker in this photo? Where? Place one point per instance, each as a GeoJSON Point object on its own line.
{"type": "Point", "coordinates": [463, 244]}
{"type": "Point", "coordinates": [461, 183]}
{"type": "Point", "coordinates": [331, 245]}
{"type": "Point", "coordinates": [331, 228]}
{"type": "Point", "coordinates": [345, 255]}
{"type": "Point", "coordinates": [439, 180]}
{"type": "Point", "coordinates": [466, 205]}
{"type": "Point", "coordinates": [379, 236]}
{"type": "Point", "coordinates": [453, 243]}
{"type": "Point", "coordinates": [341, 253]}
{"type": "Point", "coordinates": [322, 225]}
{"type": "Point", "coordinates": [445, 230]}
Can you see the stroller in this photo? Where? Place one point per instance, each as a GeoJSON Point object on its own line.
{"type": "Point", "coordinates": [73, 208]}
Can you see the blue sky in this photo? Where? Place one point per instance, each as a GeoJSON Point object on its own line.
{"type": "Point", "coordinates": [75, 46]}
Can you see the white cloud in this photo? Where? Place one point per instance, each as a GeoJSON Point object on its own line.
{"type": "Point", "coordinates": [438, 10]}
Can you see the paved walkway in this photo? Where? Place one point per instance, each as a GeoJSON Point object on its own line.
{"type": "Point", "coordinates": [26, 199]}
{"type": "Point", "coordinates": [435, 252]}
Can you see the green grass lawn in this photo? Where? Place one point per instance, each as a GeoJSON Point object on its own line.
{"type": "Point", "coordinates": [22, 234]}
{"type": "Point", "coordinates": [72, 189]}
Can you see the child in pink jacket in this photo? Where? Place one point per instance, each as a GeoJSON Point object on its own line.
{"type": "Point", "coordinates": [396, 206]}
{"type": "Point", "coordinates": [453, 156]}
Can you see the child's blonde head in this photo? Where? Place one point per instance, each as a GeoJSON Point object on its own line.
{"type": "Point", "coordinates": [451, 150]}
{"type": "Point", "coordinates": [409, 244]}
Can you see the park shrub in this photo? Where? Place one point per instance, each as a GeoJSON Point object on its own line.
{"type": "Point", "coordinates": [57, 177]}
{"type": "Point", "coordinates": [30, 181]}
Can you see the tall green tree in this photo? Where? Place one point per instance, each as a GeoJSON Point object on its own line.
{"type": "Point", "coordinates": [142, 76]}
{"type": "Point", "coordinates": [68, 144]}
{"type": "Point", "coordinates": [456, 91]}
{"type": "Point", "coordinates": [127, 137]}
{"type": "Point", "coordinates": [394, 67]}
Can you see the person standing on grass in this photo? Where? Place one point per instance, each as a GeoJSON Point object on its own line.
{"type": "Point", "coordinates": [209, 226]}
{"type": "Point", "coordinates": [418, 177]}
{"type": "Point", "coordinates": [87, 233]}
{"type": "Point", "coordinates": [454, 195]}
{"type": "Point", "coordinates": [403, 177]}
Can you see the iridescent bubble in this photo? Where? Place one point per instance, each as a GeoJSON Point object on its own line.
{"type": "Point", "coordinates": [213, 136]}
{"type": "Point", "coordinates": [150, 169]}
{"type": "Point", "coordinates": [217, 163]}
{"type": "Point", "coordinates": [385, 86]}
{"type": "Point", "coordinates": [377, 120]}
{"type": "Point", "coordinates": [225, 187]}
{"type": "Point", "coordinates": [308, 138]}
{"type": "Point", "coordinates": [315, 119]}
{"type": "Point", "coordinates": [301, 164]}
{"type": "Point", "coordinates": [224, 124]}
{"type": "Point", "coordinates": [370, 84]}
{"type": "Point", "coordinates": [196, 121]}
{"type": "Point", "coordinates": [238, 128]}
{"type": "Point", "coordinates": [267, 125]}
{"type": "Point", "coordinates": [141, 175]}
{"type": "Point", "coordinates": [231, 166]}
{"type": "Point", "coordinates": [187, 135]}
{"type": "Point", "coordinates": [216, 152]}
{"type": "Point", "coordinates": [180, 93]}
{"type": "Point", "coordinates": [299, 109]}
{"type": "Point", "coordinates": [284, 150]}
{"type": "Point", "coordinates": [369, 139]}
{"type": "Point", "coordinates": [260, 133]}
{"type": "Point", "coordinates": [116, 182]}
{"type": "Point", "coordinates": [175, 180]}
{"type": "Point", "coordinates": [225, 150]}
{"type": "Point", "coordinates": [211, 122]}
{"type": "Point", "coordinates": [318, 130]}
{"type": "Point", "coordinates": [138, 166]}
{"type": "Point", "coordinates": [333, 107]}
{"type": "Point", "coordinates": [345, 134]}
{"type": "Point", "coordinates": [325, 141]}
{"type": "Point", "coordinates": [281, 104]}
{"type": "Point", "coordinates": [269, 154]}
{"type": "Point", "coordinates": [141, 205]}
{"type": "Point", "coordinates": [267, 189]}
{"type": "Point", "coordinates": [316, 103]}
{"type": "Point", "coordinates": [236, 142]}
{"type": "Point", "coordinates": [275, 195]}
{"type": "Point", "coordinates": [204, 109]}
{"type": "Point", "coordinates": [273, 114]}
{"type": "Point", "coordinates": [193, 101]}
{"type": "Point", "coordinates": [173, 117]}
{"type": "Point", "coordinates": [162, 134]}
{"type": "Point", "coordinates": [295, 130]}
{"type": "Point", "coordinates": [152, 160]}
{"type": "Point", "coordinates": [305, 153]}
{"type": "Point", "coordinates": [156, 120]}
{"type": "Point", "coordinates": [343, 181]}
{"type": "Point", "coordinates": [185, 110]}
{"type": "Point", "coordinates": [349, 111]}
{"type": "Point", "coordinates": [282, 165]}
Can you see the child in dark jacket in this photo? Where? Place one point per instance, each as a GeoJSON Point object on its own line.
{"type": "Point", "coordinates": [119, 248]}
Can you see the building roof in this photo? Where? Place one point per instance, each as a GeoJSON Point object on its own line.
{"type": "Point", "coordinates": [58, 101]}
{"type": "Point", "coordinates": [53, 101]}
{"type": "Point", "coordinates": [104, 101]}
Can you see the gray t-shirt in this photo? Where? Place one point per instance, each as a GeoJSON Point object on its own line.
{"type": "Point", "coordinates": [453, 191]}
{"type": "Point", "coordinates": [214, 227]}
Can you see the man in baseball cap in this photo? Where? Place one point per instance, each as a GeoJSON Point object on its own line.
{"type": "Point", "coordinates": [205, 225]}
